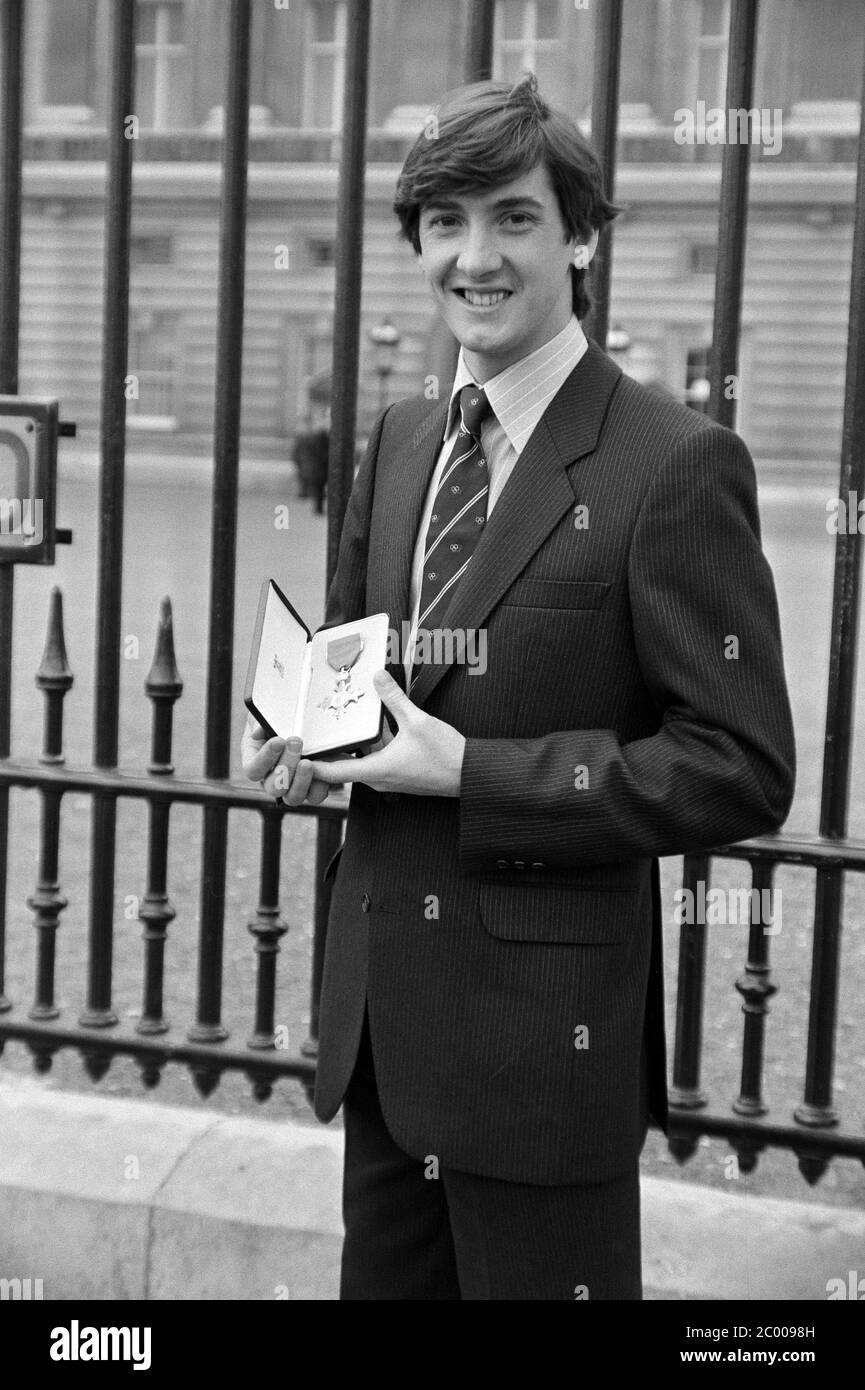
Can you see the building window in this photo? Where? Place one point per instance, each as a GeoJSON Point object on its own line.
{"type": "Point", "coordinates": [711, 52]}
{"type": "Point", "coordinates": [527, 40]}
{"type": "Point", "coordinates": [321, 252]}
{"type": "Point", "coordinates": [150, 248]}
{"type": "Point", "coordinates": [160, 75]}
{"type": "Point", "coordinates": [62, 41]}
{"type": "Point", "coordinates": [153, 359]}
{"type": "Point", "coordinates": [324, 69]}
{"type": "Point", "coordinates": [702, 257]}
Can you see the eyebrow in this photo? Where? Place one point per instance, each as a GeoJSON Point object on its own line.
{"type": "Point", "coordinates": [501, 205]}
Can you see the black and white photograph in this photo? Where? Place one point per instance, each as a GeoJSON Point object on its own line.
{"type": "Point", "coordinates": [432, 773]}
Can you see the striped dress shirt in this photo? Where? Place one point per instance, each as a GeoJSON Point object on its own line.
{"type": "Point", "coordinates": [518, 396]}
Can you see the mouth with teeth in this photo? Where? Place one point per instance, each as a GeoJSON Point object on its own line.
{"type": "Point", "coordinates": [483, 299]}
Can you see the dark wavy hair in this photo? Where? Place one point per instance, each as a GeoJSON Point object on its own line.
{"type": "Point", "coordinates": [489, 133]}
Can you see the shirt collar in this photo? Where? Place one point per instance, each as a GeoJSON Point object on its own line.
{"type": "Point", "coordinates": [545, 368]}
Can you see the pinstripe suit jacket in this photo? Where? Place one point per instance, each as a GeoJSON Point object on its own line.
{"type": "Point", "coordinates": [609, 728]}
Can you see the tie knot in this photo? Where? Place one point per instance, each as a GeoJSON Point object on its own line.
{"type": "Point", "coordinates": [474, 406]}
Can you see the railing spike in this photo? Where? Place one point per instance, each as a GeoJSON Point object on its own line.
{"type": "Point", "coordinates": [163, 679]}
{"type": "Point", "coordinates": [54, 672]}
{"type": "Point", "coordinates": [96, 1064]}
{"type": "Point", "coordinates": [163, 686]}
{"type": "Point", "coordinates": [747, 1154]}
{"type": "Point", "coordinates": [812, 1167]}
{"type": "Point", "coordinates": [43, 1055]}
{"type": "Point", "coordinates": [151, 1072]}
{"type": "Point", "coordinates": [681, 1147]}
{"type": "Point", "coordinates": [205, 1079]}
{"type": "Point", "coordinates": [262, 1085]}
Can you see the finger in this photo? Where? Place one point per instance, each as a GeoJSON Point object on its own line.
{"type": "Point", "coordinates": [260, 759]}
{"type": "Point", "coordinates": [345, 770]}
{"type": "Point", "coordinates": [280, 779]}
{"type": "Point", "coordinates": [318, 792]}
{"type": "Point", "coordinates": [300, 784]}
{"type": "Point", "coordinates": [392, 697]}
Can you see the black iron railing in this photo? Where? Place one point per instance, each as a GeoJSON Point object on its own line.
{"type": "Point", "coordinates": [815, 1132]}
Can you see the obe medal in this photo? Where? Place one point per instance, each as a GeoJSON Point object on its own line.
{"type": "Point", "coordinates": [342, 653]}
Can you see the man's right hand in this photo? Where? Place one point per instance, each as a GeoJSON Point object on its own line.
{"type": "Point", "coordinates": [277, 764]}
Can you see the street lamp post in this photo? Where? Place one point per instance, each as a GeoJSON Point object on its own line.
{"type": "Point", "coordinates": [385, 338]}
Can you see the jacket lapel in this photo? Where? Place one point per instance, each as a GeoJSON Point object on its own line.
{"type": "Point", "coordinates": [533, 501]}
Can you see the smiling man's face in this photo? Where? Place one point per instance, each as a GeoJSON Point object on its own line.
{"type": "Point", "coordinates": [498, 265]}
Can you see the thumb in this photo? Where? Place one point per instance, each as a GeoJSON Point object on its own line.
{"type": "Point", "coordinates": [391, 695]}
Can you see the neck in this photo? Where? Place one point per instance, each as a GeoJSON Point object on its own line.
{"type": "Point", "coordinates": [485, 366]}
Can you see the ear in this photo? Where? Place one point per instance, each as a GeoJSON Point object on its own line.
{"type": "Point", "coordinates": [584, 251]}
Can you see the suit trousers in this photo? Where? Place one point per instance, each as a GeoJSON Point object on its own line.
{"type": "Point", "coordinates": [417, 1230]}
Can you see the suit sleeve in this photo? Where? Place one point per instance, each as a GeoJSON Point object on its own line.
{"type": "Point", "coordinates": [346, 597]}
{"type": "Point", "coordinates": [705, 623]}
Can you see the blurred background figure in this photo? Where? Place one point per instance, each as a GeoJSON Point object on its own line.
{"type": "Point", "coordinates": [312, 444]}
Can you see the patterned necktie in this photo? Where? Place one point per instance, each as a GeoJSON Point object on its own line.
{"type": "Point", "coordinates": [459, 512]}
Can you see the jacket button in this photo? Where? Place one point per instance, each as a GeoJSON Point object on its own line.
{"type": "Point", "coordinates": [519, 864]}
{"type": "Point", "coordinates": [538, 864]}
{"type": "Point", "coordinates": [502, 864]}
{"type": "Point", "coordinates": [365, 902]}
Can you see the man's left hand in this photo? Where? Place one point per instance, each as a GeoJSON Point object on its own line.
{"type": "Point", "coordinates": [424, 758]}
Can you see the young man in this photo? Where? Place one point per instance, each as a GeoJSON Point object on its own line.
{"type": "Point", "coordinates": [492, 1013]}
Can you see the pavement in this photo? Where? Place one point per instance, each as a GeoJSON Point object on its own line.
{"type": "Point", "coordinates": [103, 1198]}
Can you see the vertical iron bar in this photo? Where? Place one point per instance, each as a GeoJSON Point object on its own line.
{"type": "Point", "coordinates": [479, 40]}
{"type": "Point", "coordinates": [11, 36]}
{"type": "Point", "coordinates": [11, 40]}
{"type": "Point", "coordinates": [685, 1091]}
{"type": "Point", "coordinates": [725, 357]}
{"type": "Point", "coordinates": [816, 1109]}
{"type": "Point", "coordinates": [478, 66]}
{"type": "Point", "coordinates": [163, 687]}
{"type": "Point", "coordinates": [848, 546]}
{"type": "Point", "coordinates": [267, 927]}
{"type": "Point", "coordinates": [54, 678]}
{"type": "Point", "coordinates": [346, 348]}
{"type": "Point", "coordinates": [155, 915]}
{"type": "Point", "coordinates": [756, 988]}
{"type": "Point", "coordinates": [229, 351]}
{"type": "Point", "coordinates": [605, 119]}
{"type": "Point", "coordinates": [732, 217]}
{"type": "Point", "coordinates": [98, 1012]}
{"type": "Point", "coordinates": [349, 269]}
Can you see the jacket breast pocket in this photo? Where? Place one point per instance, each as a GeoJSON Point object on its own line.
{"type": "Point", "coordinates": [557, 593]}
{"type": "Point", "coordinates": [581, 916]}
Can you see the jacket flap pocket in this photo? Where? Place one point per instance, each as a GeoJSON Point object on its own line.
{"type": "Point", "coordinates": [557, 593]}
{"type": "Point", "coordinates": [520, 912]}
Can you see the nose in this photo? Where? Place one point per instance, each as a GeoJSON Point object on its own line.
{"type": "Point", "coordinates": [479, 255]}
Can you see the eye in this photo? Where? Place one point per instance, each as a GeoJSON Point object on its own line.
{"type": "Point", "coordinates": [519, 219]}
{"type": "Point", "coordinates": [445, 220]}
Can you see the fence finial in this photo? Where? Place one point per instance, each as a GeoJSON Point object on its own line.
{"type": "Point", "coordinates": [54, 672]}
{"type": "Point", "coordinates": [163, 679]}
